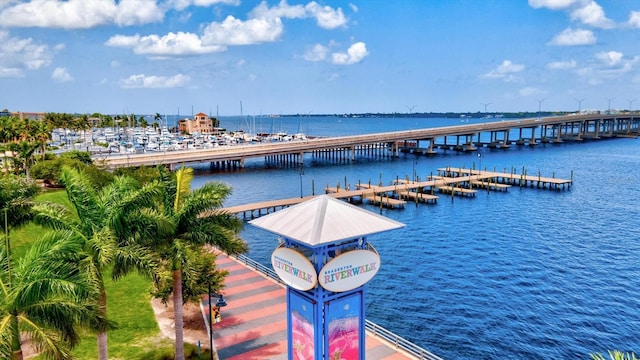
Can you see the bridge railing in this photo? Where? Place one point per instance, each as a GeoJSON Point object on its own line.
{"type": "Point", "coordinates": [376, 330]}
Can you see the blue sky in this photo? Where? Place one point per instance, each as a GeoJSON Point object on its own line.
{"type": "Point", "coordinates": [290, 57]}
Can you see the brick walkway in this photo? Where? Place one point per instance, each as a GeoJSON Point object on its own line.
{"type": "Point", "coordinates": [254, 323]}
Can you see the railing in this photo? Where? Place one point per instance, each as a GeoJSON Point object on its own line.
{"type": "Point", "coordinates": [377, 330]}
{"type": "Point", "coordinates": [400, 342]}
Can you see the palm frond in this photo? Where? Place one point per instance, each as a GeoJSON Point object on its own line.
{"type": "Point", "coordinates": [53, 216]}
{"type": "Point", "coordinates": [184, 176]}
{"type": "Point", "coordinates": [82, 194]}
{"type": "Point", "coordinates": [134, 257]}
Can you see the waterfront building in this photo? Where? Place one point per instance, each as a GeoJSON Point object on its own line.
{"type": "Point", "coordinates": [201, 123]}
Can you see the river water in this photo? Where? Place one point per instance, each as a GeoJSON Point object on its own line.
{"type": "Point", "coordinates": [523, 274]}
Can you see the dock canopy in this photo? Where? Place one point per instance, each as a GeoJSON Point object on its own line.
{"type": "Point", "coordinates": [323, 220]}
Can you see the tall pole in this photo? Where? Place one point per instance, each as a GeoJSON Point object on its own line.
{"type": "Point", "coordinates": [210, 325]}
{"type": "Point", "coordinates": [609, 108]}
{"type": "Point", "coordinates": [580, 105]}
{"type": "Point", "coordinates": [631, 102]}
{"type": "Point", "coordinates": [540, 106]}
{"type": "Point", "coordinates": [302, 173]}
{"type": "Point", "coordinates": [485, 108]}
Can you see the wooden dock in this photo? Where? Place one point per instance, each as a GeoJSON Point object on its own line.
{"type": "Point", "coordinates": [489, 185]}
{"type": "Point", "coordinates": [456, 190]}
{"type": "Point", "coordinates": [454, 181]}
{"type": "Point", "coordinates": [512, 178]}
{"type": "Point", "coordinates": [416, 196]}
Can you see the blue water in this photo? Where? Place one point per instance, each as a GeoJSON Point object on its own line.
{"type": "Point", "coordinates": [522, 274]}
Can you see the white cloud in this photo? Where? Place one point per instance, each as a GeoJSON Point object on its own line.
{"type": "Point", "coordinates": [355, 54]}
{"type": "Point", "coordinates": [571, 37]}
{"type": "Point", "coordinates": [326, 16]}
{"type": "Point", "coordinates": [530, 91]}
{"type": "Point", "coordinates": [19, 55]}
{"type": "Point", "coordinates": [282, 10]}
{"type": "Point", "coordinates": [551, 4]}
{"type": "Point", "coordinates": [592, 14]}
{"type": "Point", "coordinates": [353, 7]}
{"type": "Point", "coordinates": [634, 19]}
{"type": "Point", "coordinates": [172, 44]}
{"type": "Point", "coordinates": [233, 31]}
{"type": "Point", "coordinates": [317, 52]}
{"type": "Point", "coordinates": [610, 58]}
{"type": "Point", "coordinates": [61, 75]}
{"type": "Point", "coordinates": [587, 12]}
{"type": "Point", "coordinates": [154, 82]}
{"type": "Point", "coordinates": [505, 71]}
{"type": "Point", "coordinates": [562, 65]}
{"type": "Point", "coordinates": [81, 14]}
{"type": "Point", "coordinates": [183, 4]}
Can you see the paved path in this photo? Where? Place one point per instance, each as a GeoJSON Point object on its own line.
{"type": "Point", "coordinates": [254, 323]}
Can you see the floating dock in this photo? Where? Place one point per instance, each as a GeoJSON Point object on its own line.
{"type": "Point", "coordinates": [452, 181]}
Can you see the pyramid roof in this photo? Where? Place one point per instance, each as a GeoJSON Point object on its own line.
{"type": "Point", "coordinates": [323, 220]}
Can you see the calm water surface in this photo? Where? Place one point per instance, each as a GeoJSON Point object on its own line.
{"type": "Point", "coordinates": [522, 274]}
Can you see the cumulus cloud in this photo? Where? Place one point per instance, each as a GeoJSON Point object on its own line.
{"type": "Point", "coordinates": [317, 52]}
{"type": "Point", "coordinates": [562, 65]}
{"type": "Point", "coordinates": [355, 54]}
{"type": "Point", "coordinates": [81, 14]}
{"type": "Point", "coordinates": [634, 19]}
{"type": "Point", "coordinates": [233, 31]}
{"type": "Point", "coordinates": [505, 71]}
{"type": "Point", "coordinates": [571, 37]}
{"type": "Point", "coordinates": [592, 14]}
{"type": "Point", "coordinates": [183, 4]}
{"type": "Point", "coordinates": [610, 58]}
{"type": "Point", "coordinates": [587, 12]}
{"type": "Point", "coordinates": [610, 66]}
{"type": "Point", "coordinates": [263, 25]}
{"type": "Point", "coordinates": [326, 16]}
{"type": "Point", "coordinates": [171, 44]}
{"type": "Point", "coordinates": [18, 55]}
{"type": "Point", "coordinates": [61, 75]}
{"type": "Point", "coordinates": [154, 82]}
{"type": "Point", "coordinates": [551, 4]}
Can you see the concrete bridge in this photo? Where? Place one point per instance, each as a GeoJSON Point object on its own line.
{"type": "Point", "coordinates": [499, 134]}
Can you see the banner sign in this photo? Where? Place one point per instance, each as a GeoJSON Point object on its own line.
{"type": "Point", "coordinates": [302, 327]}
{"type": "Point", "coordinates": [345, 328]}
{"type": "Point", "coordinates": [294, 269]}
{"type": "Point", "coordinates": [349, 270]}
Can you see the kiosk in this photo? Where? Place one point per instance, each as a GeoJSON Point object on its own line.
{"type": "Point", "coordinates": [324, 259]}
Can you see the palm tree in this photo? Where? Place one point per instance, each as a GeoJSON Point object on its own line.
{"type": "Point", "coordinates": [48, 296]}
{"type": "Point", "coordinates": [111, 221]}
{"type": "Point", "coordinates": [195, 223]}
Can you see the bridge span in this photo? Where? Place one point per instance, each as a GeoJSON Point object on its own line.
{"type": "Point", "coordinates": [498, 134]}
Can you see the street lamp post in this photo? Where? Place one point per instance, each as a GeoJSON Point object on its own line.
{"type": "Point", "coordinates": [609, 108]}
{"type": "Point", "coordinates": [219, 303]}
{"type": "Point", "coordinates": [580, 105]}
{"type": "Point", "coordinates": [540, 106]}
{"type": "Point", "coordinates": [631, 102]}
{"type": "Point", "coordinates": [485, 108]}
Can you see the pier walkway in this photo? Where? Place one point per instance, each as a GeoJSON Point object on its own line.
{"type": "Point", "coordinates": [253, 325]}
{"type": "Point", "coordinates": [453, 181]}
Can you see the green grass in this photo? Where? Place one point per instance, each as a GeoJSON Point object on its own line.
{"type": "Point", "coordinates": [128, 304]}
